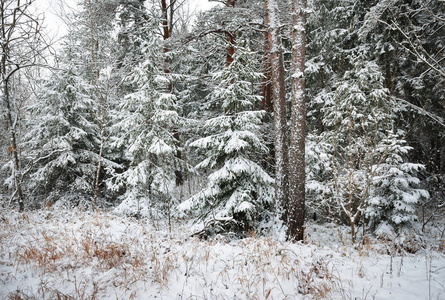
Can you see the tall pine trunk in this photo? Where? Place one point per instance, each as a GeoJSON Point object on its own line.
{"type": "Point", "coordinates": [297, 141]}
{"type": "Point", "coordinates": [279, 107]}
{"type": "Point", "coordinates": [167, 26]}
{"type": "Point", "coordinates": [230, 39]}
{"type": "Point", "coordinates": [165, 34]}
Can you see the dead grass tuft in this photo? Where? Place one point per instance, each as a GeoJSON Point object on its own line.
{"type": "Point", "coordinates": [318, 280]}
{"type": "Point", "coordinates": [111, 255]}
{"type": "Point", "coordinates": [82, 291]}
{"type": "Point", "coordinates": [43, 254]}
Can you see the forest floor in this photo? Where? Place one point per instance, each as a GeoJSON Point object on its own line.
{"type": "Point", "coordinates": [74, 254]}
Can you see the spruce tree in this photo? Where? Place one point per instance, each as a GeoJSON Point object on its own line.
{"type": "Point", "coordinates": [238, 188]}
{"type": "Point", "coordinates": [144, 124]}
{"type": "Point", "coordinates": [62, 138]}
{"type": "Point", "coordinates": [67, 136]}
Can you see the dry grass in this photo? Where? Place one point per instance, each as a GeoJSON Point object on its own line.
{"type": "Point", "coordinates": [61, 252]}
{"type": "Point", "coordinates": [49, 253]}
{"type": "Point", "coordinates": [138, 257]}
{"type": "Point", "coordinates": [81, 292]}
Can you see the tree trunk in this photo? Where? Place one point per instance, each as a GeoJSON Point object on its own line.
{"type": "Point", "coordinates": [94, 48]}
{"type": "Point", "coordinates": [172, 12]}
{"type": "Point", "coordinates": [103, 105]}
{"type": "Point", "coordinates": [230, 49]}
{"type": "Point", "coordinates": [8, 26]}
{"type": "Point", "coordinates": [13, 147]}
{"type": "Point", "coordinates": [297, 142]}
{"type": "Point", "coordinates": [167, 25]}
{"type": "Point", "coordinates": [266, 89]}
{"type": "Point", "coordinates": [165, 34]}
{"type": "Point", "coordinates": [279, 107]}
{"type": "Point", "coordinates": [230, 39]}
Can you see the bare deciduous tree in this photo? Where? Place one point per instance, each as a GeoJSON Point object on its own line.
{"type": "Point", "coordinates": [22, 45]}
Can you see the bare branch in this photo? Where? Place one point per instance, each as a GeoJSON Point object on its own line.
{"type": "Point", "coordinates": [422, 111]}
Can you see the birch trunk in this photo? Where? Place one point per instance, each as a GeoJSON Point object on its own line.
{"type": "Point", "coordinates": [13, 148]}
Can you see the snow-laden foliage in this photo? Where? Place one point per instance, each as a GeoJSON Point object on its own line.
{"type": "Point", "coordinates": [319, 193]}
{"type": "Point", "coordinates": [362, 152]}
{"type": "Point", "coordinates": [393, 194]}
{"type": "Point", "coordinates": [66, 137]}
{"type": "Point", "coordinates": [113, 110]}
{"type": "Point", "coordinates": [147, 122]}
{"type": "Point", "coordinates": [237, 186]}
{"type": "Point", "coordinates": [360, 167]}
{"type": "Point", "coordinates": [62, 138]}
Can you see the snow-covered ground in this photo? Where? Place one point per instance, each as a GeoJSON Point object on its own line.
{"type": "Point", "coordinates": [73, 254]}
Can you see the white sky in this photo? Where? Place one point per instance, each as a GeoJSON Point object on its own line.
{"type": "Point", "coordinates": [52, 9]}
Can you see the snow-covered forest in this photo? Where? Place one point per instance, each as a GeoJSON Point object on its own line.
{"type": "Point", "coordinates": [261, 149]}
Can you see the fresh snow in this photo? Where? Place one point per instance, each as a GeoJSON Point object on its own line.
{"type": "Point", "coordinates": [74, 254]}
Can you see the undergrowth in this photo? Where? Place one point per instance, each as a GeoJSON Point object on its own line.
{"type": "Point", "coordinates": [86, 255]}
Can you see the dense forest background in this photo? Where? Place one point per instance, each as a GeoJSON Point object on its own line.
{"type": "Point", "coordinates": [149, 111]}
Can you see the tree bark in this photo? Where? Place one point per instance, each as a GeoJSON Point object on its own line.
{"type": "Point", "coordinates": [167, 25]}
{"type": "Point", "coordinates": [10, 15]}
{"type": "Point", "coordinates": [230, 49]}
{"type": "Point", "coordinates": [279, 107]}
{"type": "Point", "coordinates": [297, 141]}
{"type": "Point", "coordinates": [230, 39]}
{"type": "Point", "coordinates": [165, 34]}
{"type": "Point", "coordinates": [266, 88]}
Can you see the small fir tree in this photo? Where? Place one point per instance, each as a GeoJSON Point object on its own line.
{"type": "Point", "coordinates": [359, 119]}
{"type": "Point", "coordinates": [394, 193]}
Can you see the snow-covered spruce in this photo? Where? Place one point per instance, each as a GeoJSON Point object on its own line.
{"type": "Point", "coordinates": [146, 122]}
{"type": "Point", "coordinates": [238, 188]}
{"type": "Point", "coordinates": [63, 139]}
{"type": "Point", "coordinates": [394, 193]}
{"type": "Point", "coordinates": [363, 151]}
